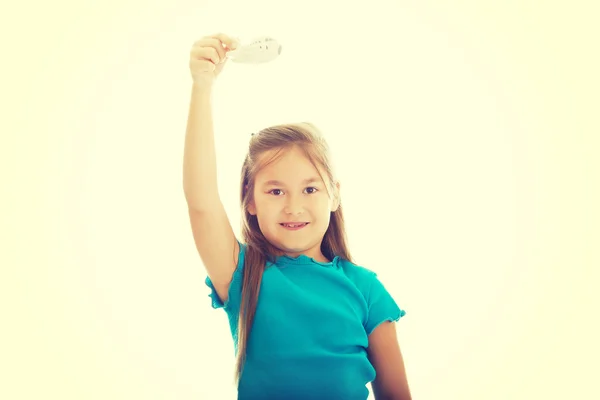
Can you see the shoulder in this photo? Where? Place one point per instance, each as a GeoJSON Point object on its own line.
{"type": "Point", "coordinates": [361, 276]}
{"type": "Point", "coordinates": [365, 280]}
{"type": "Point", "coordinates": [380, 303]}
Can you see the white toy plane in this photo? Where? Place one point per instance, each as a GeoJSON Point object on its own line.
{"type": "Point", "coordinates": [260, 50]}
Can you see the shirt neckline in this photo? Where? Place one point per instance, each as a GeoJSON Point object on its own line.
{"type": "Point", "coordinates": [304, 260]}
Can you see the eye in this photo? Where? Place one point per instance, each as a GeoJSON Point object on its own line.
{"type": "Point", "coordinates": [314, 190]}
{"type": "Point", "coordinates": [275, 190]}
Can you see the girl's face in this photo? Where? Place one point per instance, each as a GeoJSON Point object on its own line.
{"type": "Point", "coordinates": [290, 190]}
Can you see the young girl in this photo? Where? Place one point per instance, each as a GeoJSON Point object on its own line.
{"type": "Point", "coordinates": [307, 322]}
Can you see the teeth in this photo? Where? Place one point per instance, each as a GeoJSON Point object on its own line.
{"type": "Point", "coordinates": [293, 225]}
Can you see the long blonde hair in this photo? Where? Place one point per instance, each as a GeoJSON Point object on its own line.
{"type": "Point", "coordinates": [309, 139]}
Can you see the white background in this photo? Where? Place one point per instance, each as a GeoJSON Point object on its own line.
{"type": "Point", "coordinates": [463, 139]}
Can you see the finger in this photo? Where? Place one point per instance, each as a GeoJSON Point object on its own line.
{"type": "Point", "coordinates": [211, 43]}
{"type": "Point", "coordinates": [206, 53]}
{"type": "Point", "coordinates": [229, 41]}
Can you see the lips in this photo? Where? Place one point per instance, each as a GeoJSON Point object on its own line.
{"type": "Point", "coordinates": [294, 225]}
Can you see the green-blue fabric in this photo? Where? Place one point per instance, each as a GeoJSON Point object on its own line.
{"type": "Point", "coordinates": [310, 333]}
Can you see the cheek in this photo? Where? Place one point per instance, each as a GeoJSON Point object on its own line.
{"type": "Point", "coordinates": [325, 204]}
{"type": "Point", "coordinates": [264, 204]}
{"type": "Point", "coordinates": [266, 210]}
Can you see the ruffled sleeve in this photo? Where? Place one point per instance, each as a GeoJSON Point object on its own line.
{"type": "Point", "coordinates": [235, 287]}
{"type": "Point", "coordinates": [381, 306]}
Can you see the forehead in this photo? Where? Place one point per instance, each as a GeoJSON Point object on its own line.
{"type": "Point", "coordinates": [291, 166]}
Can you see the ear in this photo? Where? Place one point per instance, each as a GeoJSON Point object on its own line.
{"type": "Point", "coordinates": [336, 198]}
{"type": "Point", "coordinates": [251, 206]}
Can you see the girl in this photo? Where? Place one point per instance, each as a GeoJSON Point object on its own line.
{"type": "Point", "coordinates": [307, 322]}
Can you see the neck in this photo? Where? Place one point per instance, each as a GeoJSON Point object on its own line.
{"type": "Point", "coordinates": [314, 253]}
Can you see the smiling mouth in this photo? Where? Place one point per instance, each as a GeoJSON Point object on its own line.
{"type": "Point", "coordinates": [296, 225]}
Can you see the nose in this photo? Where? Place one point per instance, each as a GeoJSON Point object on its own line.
{"type": "Point", "coordinates": [293, 206]}
{"type": "Point", "coordinates": [279, 51]}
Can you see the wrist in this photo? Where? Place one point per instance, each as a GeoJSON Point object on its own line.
{"type": "Point", "coordinates": [202, 91]}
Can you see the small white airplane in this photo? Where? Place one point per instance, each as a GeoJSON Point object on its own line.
{"type": "Point", "coordinates": [260, 50]}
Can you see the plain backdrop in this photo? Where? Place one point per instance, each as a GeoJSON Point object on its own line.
{"type": "Point", "coordinates": [464, 134]}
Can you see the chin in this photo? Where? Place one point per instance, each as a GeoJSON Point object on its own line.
{"type": "Point", "coordinates": [291, 247]}
{"type": "Point", "coordinates": [297, 246]}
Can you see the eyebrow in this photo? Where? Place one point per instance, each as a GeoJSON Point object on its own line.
{"type": "Point", "coordinates": [279, 183]}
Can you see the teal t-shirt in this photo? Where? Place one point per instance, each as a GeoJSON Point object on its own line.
{"type": "Point", "coordinates": [310, 333]}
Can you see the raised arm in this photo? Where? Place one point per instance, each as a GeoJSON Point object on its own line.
{"type": "Point", "coordinates": [211, 228]}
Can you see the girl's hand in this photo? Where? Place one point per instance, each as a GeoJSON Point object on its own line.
{"type": "Point", "coordinates": [208, 57]}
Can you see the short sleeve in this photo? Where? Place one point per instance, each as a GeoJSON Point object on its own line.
{"type": "Point", "coordinates": [381, 306]}
{"type": "Point", "coordinates": [235, 287]}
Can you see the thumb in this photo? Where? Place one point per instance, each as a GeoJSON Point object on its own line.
{"type": "Point", "coordinates": [219, 67]}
